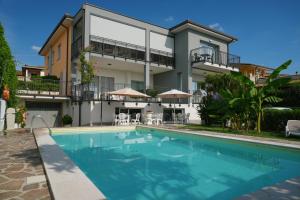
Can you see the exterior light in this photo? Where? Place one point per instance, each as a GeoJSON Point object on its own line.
{"type": "Point", "coordinates": [123, 103]}
{"type": "Point", "coordinates": [108, 102]}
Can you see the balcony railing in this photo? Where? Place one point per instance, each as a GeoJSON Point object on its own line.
{"type": "Point", "coordinates": [115, 48]}
{"type": "Point", "coordinates": [42, 87]}
{"type": "Point", "coordinates": [129, 51]}
{"type": "Point", "coordinates": [92, 92]}
{"type": "Point", "coordinates": [208, 54]}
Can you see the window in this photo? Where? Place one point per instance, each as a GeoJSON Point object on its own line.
{"type": "Point", "coordinates": [48, 61]}
{"type": "Point", "coordinates": [137, 85]}
{"type": "Point", "coordinates": [59, 52]}
{"type": "Point", "coordinates": [208, 48]}
{"type": "Point", "coordinates": [107, 84]}
{"type": "Point", "coordinates": [51, 57]}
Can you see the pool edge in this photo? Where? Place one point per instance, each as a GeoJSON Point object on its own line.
{"type": "Point", "coordinates": [229, 137]}
{"type": "Point", "coordinates": [65, 178]}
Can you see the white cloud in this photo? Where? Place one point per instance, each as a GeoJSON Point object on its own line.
{"type": "Point", "coordinates": [217, 27]}
{"type": "Point", "coordinates": [169, 19]}
{"type": "Point", "coordinates": [35, 48]}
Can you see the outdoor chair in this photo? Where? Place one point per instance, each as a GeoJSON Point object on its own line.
{"type": "Point", "coordinates": [292, 128]}
{"type": "Point", "coordinates": [137, 119]}
{"type": "Point", "coordinates": [186, 118]}
{"type": "Point", "coordinates": [123, 119]}
{"type": "Point", "coordinates": [116, 120]}
{"type": "Point", "coordinates": [149, 119]}
{"type": "Point", "coordinates": [159, 119]}
{"type": "Point", "coordinates": [180, 118]}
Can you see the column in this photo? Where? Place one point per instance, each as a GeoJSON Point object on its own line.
{"type": "Point", "coordinates": [147, 63]}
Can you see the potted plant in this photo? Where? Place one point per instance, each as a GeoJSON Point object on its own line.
{"type": "Point", "coordinates": [67, 121]}
{"type": "Point", "coordinates": [21, 116]}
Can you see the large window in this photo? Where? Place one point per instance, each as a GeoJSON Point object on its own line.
{"type": "Point", "coordinates": [77, 38]}
{"type": "Point", "coordinates": [118, 51]}
{"type": "Point", "coordinates": [161, 59]}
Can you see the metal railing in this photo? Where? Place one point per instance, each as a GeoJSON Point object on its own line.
{"type": "Point", "coordinates": [43, 87]}
{"type": "Point", "coordinates": [43, 120]}
{"type": "Point", "coordinates": [125, 50]}
{"type": "Point", "coordinates": [208, 54]}
{"type": "Point", "coordinates": [92, 92]}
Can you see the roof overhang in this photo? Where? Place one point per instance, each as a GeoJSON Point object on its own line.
{"type": "Point", "coordinates": [203, 29]}
{"type": "Point", "coordinates": [66, 21]}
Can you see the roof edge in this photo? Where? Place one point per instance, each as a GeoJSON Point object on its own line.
{"type": "Point", "coordinates": [204, 27]}
{"type": "Point", "coordinates": [66, 15]}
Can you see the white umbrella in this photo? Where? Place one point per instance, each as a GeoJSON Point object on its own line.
{"type": "Point", "coordinates": [174, 94]}
{"type": "Point", "coordinates": [129, 92]}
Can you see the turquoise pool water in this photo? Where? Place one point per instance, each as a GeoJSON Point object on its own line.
{"type": "Point", "coordinates": [151, 164]}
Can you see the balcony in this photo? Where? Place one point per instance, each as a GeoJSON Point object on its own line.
{"type": "Point", "coordinates": [42, 87]}
{"type": "Point", "coordinates": [127, 51]}
{"type": "Point", "coordinates": [209, 55]}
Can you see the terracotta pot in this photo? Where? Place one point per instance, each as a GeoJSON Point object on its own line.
{"type": "Point", "coordinates": [5, 93]}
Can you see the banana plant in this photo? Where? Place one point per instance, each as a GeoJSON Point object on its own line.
{"type": "Point", "coordinates": [258, 96]}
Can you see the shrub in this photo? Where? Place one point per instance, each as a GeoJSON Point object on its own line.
{"type": "Point", "coordinates": [276, 120]}
{"type": "Point", "coordinates": [152, 92]}
{"type": "Point", "coordinates": [67, 120]}
{"type": "Point", "coordinates": [49, 77]}
{"type": "Point", "coordinates": [20, 116]}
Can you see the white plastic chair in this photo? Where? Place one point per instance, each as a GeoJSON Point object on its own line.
{"type": "Point", "coordinates": [116, 120]}
{"type": "Point", "coordinates": [137, 119]}
{"type": "Point", "coordinates": [122, 119]}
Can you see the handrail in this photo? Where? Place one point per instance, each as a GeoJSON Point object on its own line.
{"type": "Point", "coordinates": [41, 117]}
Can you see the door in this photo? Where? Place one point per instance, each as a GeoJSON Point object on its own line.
{"type": "Point", "coordinates": [51, 112]}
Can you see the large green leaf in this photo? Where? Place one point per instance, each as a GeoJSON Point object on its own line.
{"type": "Point", "coordinates": [244, 79]}
{"type": "Point", "coordinates": [275, 84]}
{"type": "Point", "coordinates": [277, 71]}
{"type": "Point", "coordinates": [272, 99]}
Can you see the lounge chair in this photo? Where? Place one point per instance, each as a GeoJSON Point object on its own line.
{"type": "Point", "coordinates": [292, 128]}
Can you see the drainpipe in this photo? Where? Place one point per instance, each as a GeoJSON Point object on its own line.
{"type": "Point", "coordinates": [67, 61]}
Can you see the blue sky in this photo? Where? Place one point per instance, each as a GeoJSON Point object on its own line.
{"type": "Point", "coordinates": [268, 31]}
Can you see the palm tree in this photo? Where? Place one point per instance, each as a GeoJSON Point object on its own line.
{"type": "Point", "coordinates": [258, 96]}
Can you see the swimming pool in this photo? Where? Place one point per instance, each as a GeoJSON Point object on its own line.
{"type": "Point", "coordinates": [153, 164]}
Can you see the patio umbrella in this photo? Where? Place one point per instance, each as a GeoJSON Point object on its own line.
{"type": "Point", "coordinates": [129, 92]}
{"type": "Point", "coordinates": [174, 94]}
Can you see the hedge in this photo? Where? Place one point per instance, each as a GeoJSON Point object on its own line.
{"type": "Point", "coordinates": [276, 120]}
{"type": "Point", "coordinates": [38, 85]}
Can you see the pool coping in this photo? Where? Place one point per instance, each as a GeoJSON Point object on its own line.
{"type": "Point", "coordinates": [251, 139]}
{"type": "Point", "coordinates": [65, 178]}
{"type": "Point", "coordinates": [70, 130]}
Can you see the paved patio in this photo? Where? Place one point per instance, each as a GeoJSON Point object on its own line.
{"type": "Point", "coordinates": [21, 171]}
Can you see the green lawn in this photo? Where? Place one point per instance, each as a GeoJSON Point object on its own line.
{"type": "Point", "coordinates": [264, 134]}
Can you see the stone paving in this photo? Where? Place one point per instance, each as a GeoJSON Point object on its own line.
{"type": "Point", "coordinates": [21, 171]}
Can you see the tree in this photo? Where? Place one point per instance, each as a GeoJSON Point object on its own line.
{"type": "Point", "coordinates": [7, 70]}
{"type": "Point", "coordinates": [86, 68]}
{"type": "Point", "coordinates": [258, 97]}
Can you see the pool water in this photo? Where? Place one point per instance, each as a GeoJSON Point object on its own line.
{"type": "Point", "coordinates": [152, 164]}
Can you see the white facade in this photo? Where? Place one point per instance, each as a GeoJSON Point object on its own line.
{"type": "Point", "coordinates": [91, 111]}
{"type": "Point", "coordinates": [109, 29]}
{"type": "Point", "coordinates": [161, 42]}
